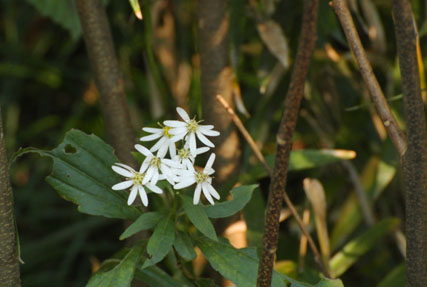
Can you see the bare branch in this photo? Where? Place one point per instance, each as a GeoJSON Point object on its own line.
{"type": "Point", "coordinates": [306, 46]}
{"type": "Point", "coordinates": [394, 131]}
{"type": "Point", "coordinates": [414, 161]}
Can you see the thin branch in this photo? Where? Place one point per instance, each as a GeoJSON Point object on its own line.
{"type": "Point", "coordinates": [414, 163]}
{"type": "Point", "coordinates": [286, 198]}
{"type": "Point", "coordinates": [307, 41]}
{"type": "Point", "coordinates": [9, 261]}
{"type": "Point", "coordinates": [109, 81]}
{"type": "Point", "coordinates": [394, 131]}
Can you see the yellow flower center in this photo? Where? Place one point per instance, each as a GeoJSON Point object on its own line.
{"type": "Point", "coordinates": [155, 161]}
{"type": "Point", "coordinates": [192, 126]}
{"type": "Point", "coordinates": [183, 153]}
{"type": "Point", "coordinates": [166, 132]}
{"type": "Point", "coordinates": [201, 177]}
{"type": "Point", "coordinates": [137, 179]}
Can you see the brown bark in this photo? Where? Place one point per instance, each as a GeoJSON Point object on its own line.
{"type": "Point", "coordinates": [109, 81]}
{"type": "Point", "coordinates": [414, 161]}
{"type": "Point", "coordinates": [216, 78]}
{"type": "Point", "coordinates": [9, 264]}
{"type": "Point", "coordinates": [306, 46]}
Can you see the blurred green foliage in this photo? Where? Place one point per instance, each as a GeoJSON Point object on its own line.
{"type": "Point", "coordinates": [47, 88]}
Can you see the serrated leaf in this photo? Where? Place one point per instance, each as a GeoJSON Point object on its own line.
{"type": "Point", "coordinates": [161, 241]}
{"type": "Point", "coordinates": [122, 274]}
{"type": "Point", "coordinates": [198, 216]}
{"type": "Point", "coordinates": [351, 252]}
{"type": "Point", "coordinates": [299, 160]}
{"type": "Point", "coordinates": [241, 196]}
{"type": "Point", "coordinates": [62, 12]}
{"type": "Point", "coordinates": [184, 246]}
{"type": "Point", "coordinates": [241, 266]}
{"type": "Point", "coordinates": [145, 221]}
{"type": "Point", "coordinates": [82, 173]}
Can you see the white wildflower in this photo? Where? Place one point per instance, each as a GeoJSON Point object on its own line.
{"type": "Point", "coordinates": [189, 129]}
{"type": "Point", "coordinates": [134, 179]}
{"type": "Point", "coordinates": [203, 180]}
{"type": "Point", "coordinates": [186, 159]}
{"type": "Point", "coordinates": [154, 163]}
{"type": "Point", "coordinates": [164, 143]}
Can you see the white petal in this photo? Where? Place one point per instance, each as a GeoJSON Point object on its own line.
{"type": "Point", "coordinates": [207, 194]}
{"type": "Point", "coordinates": [183, 114]}
{"type": "Point", "coordinates": [125, 167]}
{"type": "Point", "coordinates": [179, 130]}
{"type": "Point", "coordinates": [150, 137]}
{"type": "Point", "coordinates": [209, 132]}
{"type": "Point", "coordinates": [143, 195]}
{"type": "Point", "coordinates": [206, 127]}
{"type": "Point", "coordinates": [144, 166]}
{"type": "Point", "coordinates": [184, 183]}
{"type": "Point", "coordinates": [149, 174]}
{"type": "Point", "coordinates": [132, 195]}
{"type": "Point", "coordinates": [189, 165]}
{"type": "Point", "coordinates": [197, 192]}
{"type": "Point", "coordinates": [154, 188]}
{"type": "Point", "coordinates": [204, 139]}
{"type": "Point", "coordinates": [123, 185]}
{"type": "Point", "coordinates": [122, 171]}
{"type": "Point", "coordinates": [155, 177]}
{"type": "Point", "coordinates": [143, 150]}
{"type": "Point", "coordinates": [176, 138]}
{"type": "Point", "coordinates": [210, 161]}
{"type": "Point", "coordinates": [158, 144]}
{"type": "Point", "coordinates": [213, 191]}
{"type": "Point", "coordinates": [201, 150]}
{"type": "Point", "coordinates": [174, 124]}
{"type": "Point", "coordinates": [171, 163]}
{"type": "Point", "coordinates": [209, 171]}
{"type": "Point", "coordinates": [153, 130]}
{"type": "Point", "coordinates": [163, 150]}
{"type": "Point", "coordinates": [192, 143]}
{"type": "Point", "coordinates": [172, 149]}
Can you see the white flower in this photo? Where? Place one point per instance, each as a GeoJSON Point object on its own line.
{"type": "Point", "coordinates": [186, 159]}
{"type": "Point", "coordinates": [203, 180]}
{"type": "Point", "coordinates": [189, 129]}
{"type": "Point", "coordinates": [164, 143]}
{"type": "Point", "coordinates": [135, 180]}
{"type": "Point", "coordinates": [153, 164]}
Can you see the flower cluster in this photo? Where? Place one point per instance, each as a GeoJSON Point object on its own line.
{"type": "Point", "coordinates": [179, 168]}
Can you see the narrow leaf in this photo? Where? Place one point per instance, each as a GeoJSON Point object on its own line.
{"type": "Point", "coordinates": [161, 241]}
{"type": "Point", "coordinates": [122, 274]}
{"type": "Point", "coordinates": [396, 277]}
{"type": "Point", "coordinates": [241, 196]}
{"type": "Point", "coordinates": [241, 266]}
{"type": "Point", "coordinates": [136, 8]}
{"type": "Point", "coordinates": [360, 245]}
{"type": "Point", "coordinates": [145, 221]}
{"type": "Point", "coordinates": [153, 276]}
{"type": "Point", "coordinates": [184, 246]}
{"type": "Point", "coordinates": [198, 216]}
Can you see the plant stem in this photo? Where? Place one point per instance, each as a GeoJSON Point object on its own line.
{"type": "Point", "coordinates": [394, 131]}
{"type": "Point", "coordinates": [109, 81]}
{"type": "Point", "coordinates": [306, 44]}
{"type": "Point", "coordinates": [9, 262]}
{"type": "Point", "coordinates": [414, 162]}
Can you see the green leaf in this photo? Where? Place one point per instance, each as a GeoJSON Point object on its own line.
{"type": "Point", "coordinates": [396, 277]}
{"type": "Point", "coordinates": [82, 173]}
{"type": "Point", "coordinates": [360, 245]}
{"type": "Point", "coordinates": [161, 241]}
{"type": "Point", "coordinates": [299, 160]}
{"type": "Point", "coordinates": [184, 246]}
{"type": "Point", "coordinates": [241, 266]}
{"type": "Point", "coordinates": [155, 277]}
{"type": "Point", "coordinates": [122, 274]}
{"type": "Point", "coordinates": [145, 221]}
{"type": "Point", "coordinates": [62, 12]}
{"type": "Point", "coordinates": [241, 196]}
{"type": "Point", "coordinates": [198, 216]}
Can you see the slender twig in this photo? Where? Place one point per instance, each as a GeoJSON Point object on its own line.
{"type": "Point", "coordinates": [9, 260]}
{"type": "Point", "coordinates": [394, 131]}
{"type": "Point", "coordinates": [109, 81]}
{"type": "Point", "coordinates": [261, 159]}
{"type": "Point", "coordinates": [414, 163]}
{"type": "Point", "coordinates": [306, 46]}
